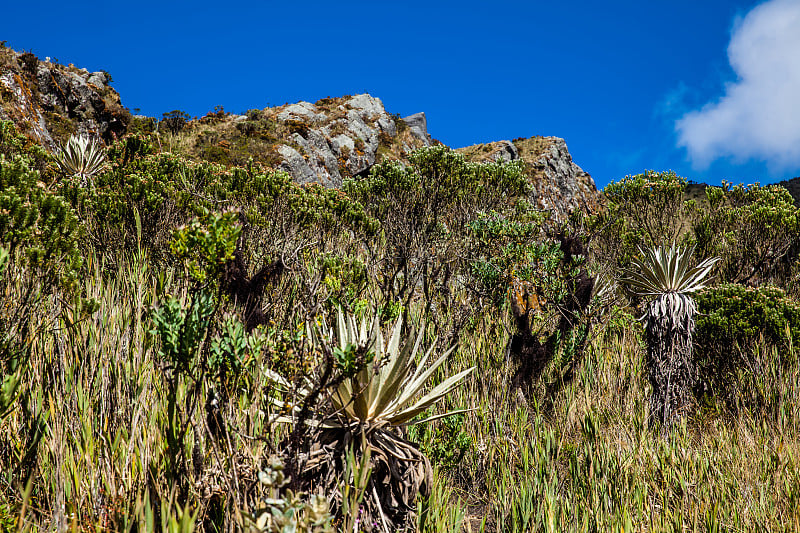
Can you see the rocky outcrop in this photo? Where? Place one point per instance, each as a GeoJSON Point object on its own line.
{"type": "Point", "coordinates": [50, 101]}
{"type": "Point", "coordinates": [558, 185]}
{"type": "Point", "coordinates": [323, 142]}
{"type": "Point", "coordinates": [336, 138]}
{"type": "Point", "coordinates": [418, 125]}
{"type": "Point", "coordinates": [562, 186]}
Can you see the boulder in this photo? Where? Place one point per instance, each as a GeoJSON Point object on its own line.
{"type": "Point", "coordinates": [335, 139]}
{"type": "Point", "coordinates": [418, 124]}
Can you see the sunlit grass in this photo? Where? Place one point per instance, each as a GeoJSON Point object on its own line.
{"type": "Point", "coordinates": [581, 460]}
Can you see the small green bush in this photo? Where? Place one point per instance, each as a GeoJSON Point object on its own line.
{"type": "Point", "coordinates": [753, 229]}
{"type": "Point", "coordinates": [732, 315]}
{"type": "Point", "coordinates": [444, 443]}
{"type": "Point", "coordinates": [511, 251]}
{"type": "Point", "coordinates": [642, 211]}
{"type": "Point", "coordinates": [743, 336]}
{"type": "Point", "coordinates": [206, 245]}
{"type": "Point", "coordinates": [37, 223]}
{"type": "Point", "coordinates": [175, 120]}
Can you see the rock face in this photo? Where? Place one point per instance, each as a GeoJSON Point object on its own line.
{"type": "Point", "coordinates": [418, 123]}
{"type": "Point", "coordinates": [562, 186]}
{"type": "Point", "coordinates": [559, 186]}
{"type": "Point", "coordinates": [19, 105]}
{"type": "Point", "coordinates": [51, 101]}
{"type": "Point", "coordinates": [342, 140]}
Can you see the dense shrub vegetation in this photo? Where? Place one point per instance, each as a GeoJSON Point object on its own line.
{"type": "Point", "coordinates": [191, 345]}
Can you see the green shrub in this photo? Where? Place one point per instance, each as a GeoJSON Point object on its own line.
{"type": "Point", "coordinates": [425, 210]}
{"type": "Point", "coordinates": [206, 245]}
{"type": "Point", "coordinates": [145, 195]}
{"type": "Point", "coordinates": [445, 443]}
{"type": "Point", "coordinates": [13, 143]}
{"type": "Point", "coordinates": [734, 315]}
{"type": "Point", "coordinates": [344, 276]}
{"type": "Point", "coordinates": [136, 202]}
{"type": "Point", "coordinates": [232, 354]}
{"type": "Point", "coordinates": [641, 211]}
{"type": "Point", "coordinates": [737, 328]}
{"type": "Point", "coordinates": [511, 252]}
{"type": "Point", "coordinates": [37, 223]}
{"type": "Point", "coordinates": [753, 229]}
{"type": "Point", "coordinates": [181, 329]}
{"type": "Point", "coordinates": [174, 121]}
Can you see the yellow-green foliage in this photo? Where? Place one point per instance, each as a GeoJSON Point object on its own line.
{"type": "Point", "coordinates": [206, 245]}
{"type": "Point", "coordinates": [649, 205]}
{"type": "Point", "coordinates": [732, 314]}
{"type": "Point", "coordinates": [752, 229]}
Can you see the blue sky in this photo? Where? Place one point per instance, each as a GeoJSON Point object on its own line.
{"type": "Point", "coordinates": [630, 85]}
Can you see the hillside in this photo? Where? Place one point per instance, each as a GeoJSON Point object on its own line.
{"type": "Point", "coordinates": [386, 335]}
{"type": "Point", "coordinates": [323, 142]}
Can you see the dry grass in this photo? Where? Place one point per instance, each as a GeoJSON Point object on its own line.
{"type": "Point", "coordinates": [585, 460]}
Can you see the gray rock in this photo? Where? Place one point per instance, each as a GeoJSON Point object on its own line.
{"type": "Point", "coordinates": [98, 79]}
{"type": "Point", "coordinates": [505, 151]}
{"type": "Point", "coordinates": [304, 111]}
{"type": "Point", "coordinates": [370, 105]}
{"type": "Point", "coordinates": [319, 157]}
{"type": "Point", "coordinates": [346, 142]}
{"type": "Point", "coordinates": [563, 186]}
{"type": "Point", "coordinates": [387, 126]}
{"type": "Point", "coordinates": [296, 165]}
{"type": "Point", "coordinates": [342, 141]}
{"type": "Point", "coordinates": [26, 110]}
{"type": "Point", "coordinates": [418, 124]}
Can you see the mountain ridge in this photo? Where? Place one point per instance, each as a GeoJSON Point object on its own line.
{"type": "Point", "coordinates": [323, 142]}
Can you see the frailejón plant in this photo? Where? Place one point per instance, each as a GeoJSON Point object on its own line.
{"type": "Point", "coordinates": [379, 392]}
{"type": "Point", "coordinates": [665, 275]}
{"type": "Point", "coordinates": [384, 389]}
{"type": "Point", "coordinates": [81, 157]}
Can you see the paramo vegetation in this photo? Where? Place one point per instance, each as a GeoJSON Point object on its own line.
{"type": "Point", "coordinates": [191, 346]}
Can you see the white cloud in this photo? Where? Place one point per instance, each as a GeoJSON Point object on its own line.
{"type": "Point", "coordinates": [759, 115]}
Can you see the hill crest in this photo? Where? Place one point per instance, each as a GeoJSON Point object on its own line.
{"type": "Point", "coordinates": [324, 142]}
